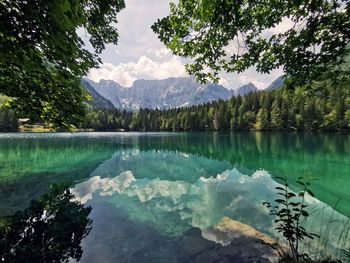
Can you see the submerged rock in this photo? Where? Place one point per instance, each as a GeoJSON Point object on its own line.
{"type": "Point", "coordinates": [228, 229]}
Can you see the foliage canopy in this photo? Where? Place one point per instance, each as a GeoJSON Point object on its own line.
{"type": "Point", "coordinates": [42, 57]}
{"type": "Point", "coordinates": [235, 35]}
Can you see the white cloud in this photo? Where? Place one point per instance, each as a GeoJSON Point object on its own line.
{"type": "Point", "coordinates": [146, 68]}
{"type": "Point", "coordinates": [160, 53]}
{"type": "Point", "coordinates": [260, 84]}
{"type": "Point", "coordinates": [282, 27]}
{"type": "Point", "coordinates": [223, 82]}
{"type": "Point", "coordinates": [157, 70]}
{"type": "Point", "coordinates": [140, 54]}
{"type": "Point", "coordinates": [112, 72]}
{"type": "Point", "coordinates": [261, 81]}
{"type": "Point", "coordinates": [135, 33]}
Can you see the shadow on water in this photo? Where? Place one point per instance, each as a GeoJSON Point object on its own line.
{"type": "Point", "coordinates": [49, 230]}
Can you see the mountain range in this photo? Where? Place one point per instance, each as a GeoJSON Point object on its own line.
{"type": "Point", "coordinates": [276, 84]}
{"type": "Point", "coordinates": [162, 94]}
{"type": "Point", "coordinates": [97, 101]}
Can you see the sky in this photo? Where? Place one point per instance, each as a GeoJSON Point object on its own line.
{"type": "Point", "coordinates": [140, 54]}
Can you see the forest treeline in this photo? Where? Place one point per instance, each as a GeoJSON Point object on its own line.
{"type": "Point", "coordinates": [300, 109]}
{"type": "Point", "coordinates": [316, 108]}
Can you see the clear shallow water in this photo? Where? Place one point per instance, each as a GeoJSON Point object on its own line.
{"type": "Point", "coordinates": [156, 196]}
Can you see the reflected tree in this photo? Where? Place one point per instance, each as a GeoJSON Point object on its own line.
{"type": "Point", "coordinates": [49, 230]}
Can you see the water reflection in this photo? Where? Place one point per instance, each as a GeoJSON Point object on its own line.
{"type": "Point", "coordinates": [199, 204]}
{"type": "Point", "coordinates": [323, 156]}
{"type": "Point", "coordinates": [115, 237]}
{"type": "Point", "coordinates": [167, 212]}
{"type": "Point", "coordinates": [162, 197]}
{"type": "Point", "coordinates": [49, 230]}
{"type": "Point", "coordinates": [31, 162]}
{"type": "Point", "coordinates": [28, 166]}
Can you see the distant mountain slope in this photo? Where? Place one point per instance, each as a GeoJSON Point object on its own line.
{"type": "Point", "coordinates": [276, 84]}
{"type": "Point", "coordinates": [167, 93]}
{"type": "Point", "coordinates": [245, 89]}
{"type": "Point", "coordinates": [109, 89]}
{"type": "Point", "coordinates": [98, 101]}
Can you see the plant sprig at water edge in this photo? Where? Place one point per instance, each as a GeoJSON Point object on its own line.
{"type": "Point", "coordinates": [289, 210]}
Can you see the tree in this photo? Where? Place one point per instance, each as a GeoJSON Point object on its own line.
{"type": "Point", "coordinates": [276, 116]}
{"type": "Point", "coordinates": [216, 121]}
{"type": "Point", "coordinates": [8, 120]}
{"type": "Point", "coordinates": [347, 118]}
{"type": "Point", "coordinates": [235, 35]}
{"type": "Point", "coordinates": [42, 57]}
{"type": "Point", "coordinates": [262, 120]}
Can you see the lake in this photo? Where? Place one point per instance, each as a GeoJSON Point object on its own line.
{"type": "Point", "coordinates": [159, 197]}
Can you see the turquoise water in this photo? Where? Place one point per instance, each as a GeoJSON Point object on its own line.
{"type": "Point", "coordinates": [151, 193]}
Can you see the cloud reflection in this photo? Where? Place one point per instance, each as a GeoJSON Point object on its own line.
{"type": "Point", "coordinates": [175, 206]}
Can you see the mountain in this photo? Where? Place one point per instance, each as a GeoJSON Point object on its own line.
{"type": "Point", "coordinates": [276, 84]}
{"type": "Point", "coordinates": [245, 89]}
{"type": "Point", "coordinates": [167, 93]}
{"type": "Point", "coordinates": [97, 102]}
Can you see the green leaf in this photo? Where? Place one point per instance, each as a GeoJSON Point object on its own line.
{"type": "Point", "coordinates": [301, 183]}
{"type": "Point", "coordinates": [280, 178]}
{"type": "Point", "coordinates": [310, 192]}
{"type": "Point", "coordinates": [304, 213]}
{"type": "Point", "coordinates": [280, 201]}
{"type": "Point", "coordinates": [290, 195]}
